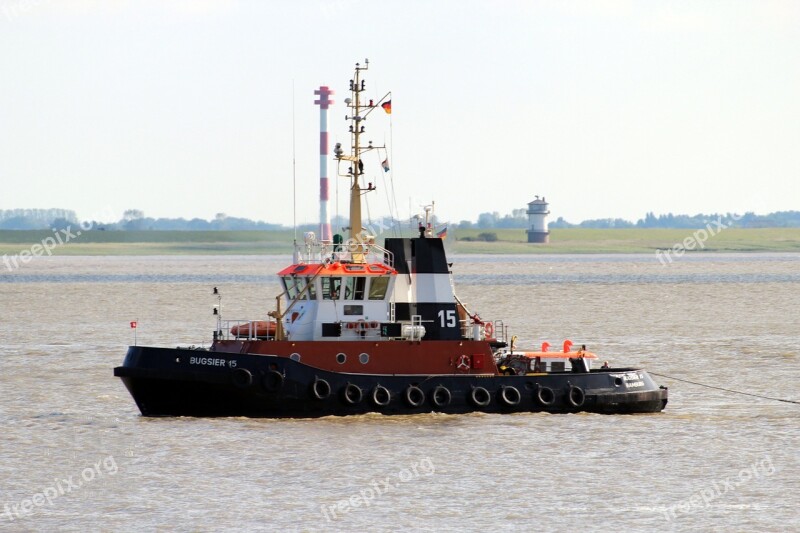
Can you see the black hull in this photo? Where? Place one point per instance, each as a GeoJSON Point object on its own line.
{"type": "Point", "coordinates": [183, 382]}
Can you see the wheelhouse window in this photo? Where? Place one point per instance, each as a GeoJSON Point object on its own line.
{"type": "Point", "coordinates": [300, 284]}
{"type": "Point", "coordinates": [291, 287]}
{"type": "Point", "coordinates": [312, 289]}
{"type": "Point", "coordinates": [295, 285]}
{"type": "Point", "coordinates": [354, 288]}
{"type": "Point", "coordinates": [331, 288]}
{"type": "Point", "coordinates": [378, 287]}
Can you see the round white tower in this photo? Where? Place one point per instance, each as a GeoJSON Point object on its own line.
{"type": "Point", "coordinates": [537, 221]}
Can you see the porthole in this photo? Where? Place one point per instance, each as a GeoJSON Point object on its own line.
{"type": "Point", "coordinates": [363, 358]}
{"type": "Point", "coordinates": [341, 358]}
{"type": "Point", "coordinates": [295, 357]}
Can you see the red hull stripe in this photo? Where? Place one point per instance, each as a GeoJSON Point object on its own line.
{"type": "Point", "coordinates": [382, 357]}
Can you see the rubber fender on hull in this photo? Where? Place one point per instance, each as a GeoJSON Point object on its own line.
{"type": "Point", "coordinates": [510, 395]}
{"type": "Point", "coordinates": [272, 381]}
{"type": "Point", "coordinates": [576, 396]}
{"type": "Point", "coordinates": [480, 396]}
{"type": "Point", "coordinates": [441, 396]}
{"type": "Point", "coordinates": [381, 396]}
{"type": "Point", "coordinates": [320, 389]}
{"type": "Point", "coordinates": [352, 394]}
{"type": "Point", "coordinates": [414, 396]}
{"type": "Point", "coordinates": [545, 396]}
{"type": "Point", "coordinates": [242, 378]}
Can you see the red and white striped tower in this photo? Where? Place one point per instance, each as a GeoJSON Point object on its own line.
{"type": "Point", "coordinates": [324, 220]}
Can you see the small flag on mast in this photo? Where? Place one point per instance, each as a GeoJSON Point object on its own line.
{"type": "Point", "coordinates": [385, 165]}
{"type": "Point", "coordinates": [133, 325]}
{"type": "Point", "coordinates": [442, 234]}
{"type": "Point", "coordinates": [387, 106]}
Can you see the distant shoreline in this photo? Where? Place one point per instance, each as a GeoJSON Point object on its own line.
{"type": "Point", "coordinates": [562, 241]}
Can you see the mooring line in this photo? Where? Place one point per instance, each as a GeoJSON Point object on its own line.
{"type": "Point", "coordinates": [724, 389]}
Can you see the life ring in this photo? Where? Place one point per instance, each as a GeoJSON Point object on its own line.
{"type": "Point", "coordinates": [352, 325]}
{"type": "Point", "coordinates": [381, 396]}
{"type": "Point", "coordinates": [488, 329]}
{"type": "Point", "coordinates": [374, 325]}
{"type": "Point", "coordinates": [272, 381]}
{"type": "Point", "coordinates": [242, 378]}
{"type": "Point", "coordinates": [414, 396]}
{"type": "Point", "coordinates": [352, 394]}
{"type": "Point", "coordinates": [576, 396]}
{"type": "Point", "coordinates": [441, 396]}
{"type": "Point", "coordinates": [463, 363]}
{"type": "Point", "coordinates": [510, 395]}
{"type": "Point", "coordinates": [321, 389]}
{"type": "Point", "coordinates": [480, 396]}
{"type": "Point", "coordinates": [545, 396]}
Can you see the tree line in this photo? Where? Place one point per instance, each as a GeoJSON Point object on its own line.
{"type": "Point", "coordinates": [518, 219]}
{"type": "Point", "coordinates": [135, 220]}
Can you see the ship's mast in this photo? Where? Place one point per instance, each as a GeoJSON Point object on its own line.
{"type": "Point", "coordinates": [356, 86]}
{"type": "Point", "coordinates": [358, 114]}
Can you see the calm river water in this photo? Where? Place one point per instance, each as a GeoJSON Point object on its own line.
{"type": "Point", "coordinates": [76, 454]}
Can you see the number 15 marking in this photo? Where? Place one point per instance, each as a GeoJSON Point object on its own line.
{"type": "Point", "coordinates": [447, 319]}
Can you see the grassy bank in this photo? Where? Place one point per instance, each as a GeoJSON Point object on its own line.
{"type": "Point", "coordinates": [578, 240]}
{"type": "Point", "coordinates": [508, 241]}
{"type": "Point", "coordinates": [153, 242]}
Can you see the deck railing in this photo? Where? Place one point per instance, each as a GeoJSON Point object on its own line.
{"type": "Point", "coordinates": [325, 252]}
{"type": "Point", "coordinates": [248, 330]}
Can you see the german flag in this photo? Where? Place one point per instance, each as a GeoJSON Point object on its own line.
{"type": "Point", "coordinates": [387, 106]}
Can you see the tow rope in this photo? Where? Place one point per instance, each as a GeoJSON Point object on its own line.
{"type": "Point", "coordinates": [726, 390]}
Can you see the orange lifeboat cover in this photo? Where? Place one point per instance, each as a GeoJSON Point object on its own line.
{"type": "Point", "coordinates": [258, 328]}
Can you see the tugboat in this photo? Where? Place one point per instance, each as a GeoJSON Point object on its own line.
{"type": "Point", "coordinates": [362, 328]}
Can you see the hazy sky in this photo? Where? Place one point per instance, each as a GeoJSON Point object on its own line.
{"type": "Point", "coordinates": [607, 108]}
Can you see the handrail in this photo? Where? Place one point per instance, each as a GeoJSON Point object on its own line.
{"type": "Point", "coordinates": [249, 326]}
{"type": "Point", "coordinates": [322, 252]}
